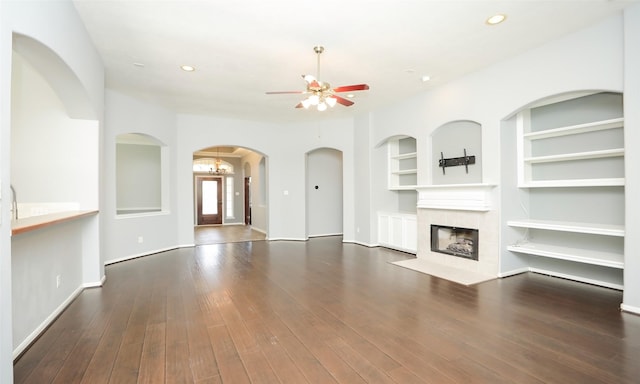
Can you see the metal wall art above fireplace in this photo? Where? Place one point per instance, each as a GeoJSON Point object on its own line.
{"type": "Point", "coordinates": [462, 242]}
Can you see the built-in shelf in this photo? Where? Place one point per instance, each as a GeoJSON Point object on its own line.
{"type": "Point", "coordinates": [571, 150]}
{"type": "Point", "coordinates": [403, 163]}
{"type": "Point", "coordinates": [605, 259]}
{"type": "Point", "coordinates": [410, 155]}
{"type": "Point", "coordinates": [615, 152]}
{"type": "Point", "coordinates": [568, 226]}
{"type": "Point", "coordinates": [576, 129]}
{"type": "Point", "coordinates": [612, 182]}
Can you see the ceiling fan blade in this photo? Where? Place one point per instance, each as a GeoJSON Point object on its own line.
{"type": "Point", "coordinates": [350, 88]}
{"type": "Point", "coordinates": [283, 92]}
{"type": "Point", "coordinates": [343, 101]}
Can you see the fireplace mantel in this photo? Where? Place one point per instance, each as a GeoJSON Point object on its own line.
{"type": "Point", "coordinates": [464, 197]}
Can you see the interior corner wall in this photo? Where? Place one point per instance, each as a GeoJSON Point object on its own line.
{"type": "Point", "coordinates": [631, 300]}
{"type": "Point", "coordinates": [362, 211]}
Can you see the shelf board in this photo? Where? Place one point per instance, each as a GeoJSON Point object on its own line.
{"type": "Point", "coordinates": [611, 182]}
{"type": "Point", "coordinates": [605, 259]}
{"type": "Point", "coordinates": [568, 226]}
{"type": "Point", "coordinates": [402, 187]}
{"type": "Point", "coordinates": [405, 172]}
{"type": "Point", "coordinates": [576, 129]}
{"type": "Point", "coordinates": [403, 156]}
{"type": "Point", "coordinates": [615, 152]}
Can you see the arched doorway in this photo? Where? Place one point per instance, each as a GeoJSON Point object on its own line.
{"type": "Point", "coordinates": [324, 192]}
{"type": "Point", "coordinates": [228, 205]}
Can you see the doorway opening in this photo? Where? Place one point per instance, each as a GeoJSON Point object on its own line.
{"type": "Point", "coordinates": [229, 205]}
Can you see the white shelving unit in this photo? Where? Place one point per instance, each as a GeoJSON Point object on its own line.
{"type": "Point", "coordinates": [403, 168]}
{"type": "Point", "coordinates": [583, 160]}
{"type": "Point", "coordinates": [527, 159]}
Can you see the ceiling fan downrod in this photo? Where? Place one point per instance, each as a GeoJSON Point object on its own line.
{"type": "Point", "coordinates": [318, 49]}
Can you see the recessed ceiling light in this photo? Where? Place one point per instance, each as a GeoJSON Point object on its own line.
{"type": "Point", "coordinates": [351, 95]}
{"type": "Point", "coordinates": [496, 19]}
{"type": "Point", "coordinates": [187, 68]}
{"type": "Point", "coordinates": [425, 78]}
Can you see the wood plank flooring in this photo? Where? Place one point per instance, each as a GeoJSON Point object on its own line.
{"type": "Point", "coordinates": [326, 312]}
{"type": "Point", "coordinates": [216, 234]}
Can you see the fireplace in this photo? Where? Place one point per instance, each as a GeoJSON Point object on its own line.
{"type": "Point", "coordinates": [455, 241]}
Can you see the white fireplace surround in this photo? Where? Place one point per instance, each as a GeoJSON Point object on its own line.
{"type": "Point", "coordinates": [465, 197]}
{"type": "Point", "coordinates": [464, 206]}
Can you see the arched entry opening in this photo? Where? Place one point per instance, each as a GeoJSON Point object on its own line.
{"type": "Point", "coordinates": [229, 204]}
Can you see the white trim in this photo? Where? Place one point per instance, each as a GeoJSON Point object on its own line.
{"type": "Point", "coordinates": [118, 260]}
{"type": "Point", "coordinates": [46, 323]}
{"type": "Point", "coordinates": [286, 239]}
{"type": "Point", "coordinates": [513, 272]}
{"type": "Point", "coordinates": [95, 284]}
{"type": "Point", "coordinates": [630, 308]}
{"type": "Point", "coordinates": [374, 245]}
{"type": "Point", "coordinates": [465, 197]}
{"type": "Point", "coordinates": [578, 278]}
{"type": "Point", "coordinates": [326, 235]}
{"type": "Point", "coordinates": [258, 229]}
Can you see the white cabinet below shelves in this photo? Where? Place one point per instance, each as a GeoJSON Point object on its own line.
{"type": "Point", "coordinates": [398, 231]}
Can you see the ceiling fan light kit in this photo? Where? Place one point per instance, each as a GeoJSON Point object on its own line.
{"type": "Point", "coordinates": [320, 94]}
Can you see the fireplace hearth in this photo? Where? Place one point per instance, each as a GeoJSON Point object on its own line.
{"type": "Point", "coordinates": [455, 241]}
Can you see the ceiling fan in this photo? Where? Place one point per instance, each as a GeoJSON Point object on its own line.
{"type": "Point", "coordinates": [320, 94]}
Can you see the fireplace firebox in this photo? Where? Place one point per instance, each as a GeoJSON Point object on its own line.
{"type": "Point", "coordinates": [461, 242]}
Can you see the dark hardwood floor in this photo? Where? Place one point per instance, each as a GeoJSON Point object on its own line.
{"type": "Point", "coordinates": [326, 312]}
{"type": "Point", "coordinates": [216, 234]}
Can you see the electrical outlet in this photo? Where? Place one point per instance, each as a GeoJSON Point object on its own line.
{"type": "Point", "coordinates": [140, 239]}
{"type": "Point", "coordinates": [58, 281]}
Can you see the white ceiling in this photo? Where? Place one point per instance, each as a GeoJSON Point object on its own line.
{"type": "Point", "coordinates": [243, 48]}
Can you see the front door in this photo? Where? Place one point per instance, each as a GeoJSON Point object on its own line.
{"type": "Point", "coordinates": [209, 200]}
{"type": "Point", "coordinates": [247, 201]}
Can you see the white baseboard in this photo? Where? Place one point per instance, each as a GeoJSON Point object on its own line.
{"type": "Point", "coordinates": [286, 239]}
{"type": "Point", "coordinates": [513, 272]}
{"type": "Point", "coordinates": [258, 229]}
{"type": "Point", "coordinates": [630, 308]}
{"type": "Point", "coordinates": [326, 235]}
{"type": "Point", "coordinates": [360, 243]}
{"type": "Point", "coordinates": [36, 332]}
{"type": "Point", "coordinates": [95, 284]}
{"type": "Point", "coordinates": [578, 278]}
{"type": "Point", "coordinates": [113, 261]}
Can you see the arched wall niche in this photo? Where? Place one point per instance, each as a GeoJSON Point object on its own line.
{"type": "Point", "coordinates": [142, 174]}
{"type": "Point", "coordinates": [450, 141]}
{"type": "Point", "coordinates": [61, 78]}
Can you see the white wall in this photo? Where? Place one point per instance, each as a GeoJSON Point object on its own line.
{"type": "Point", "coordinates": [56, 26]}
{"type": "Point", "coordinates": [120, 234]}
{"type": "Point", "coordinates": [286, 166]}
{"type": "Point", "coordinates": [631, 299]}
{"type": "Point", "coordinates": [251, 166]}
{"type": "Point", "coordinates": [324, 192]}
{"type": "Point", "coordinates": [53, 157]}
